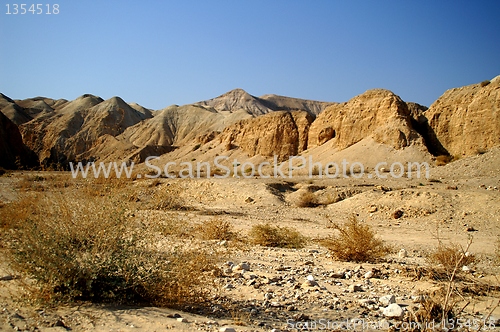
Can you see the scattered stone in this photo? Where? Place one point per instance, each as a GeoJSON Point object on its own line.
{"type": "Point", "coordinates": [465, 268]}
{"type": "Point", "coordinates": [227, 329]}
{"type": "Point", "coordinates": [244, 266]}
{"type": "Point", "coordinates": [470, 229]}
{"type": "Point", "coordinates": [309, 283]}
{"type": "Point", "coordinates": [182, 320]}
{"type": "Point", "coordinates": [355, 288]}
{"type": "Point", "coordinates": [176, 315]}
{"type": "Point", "coordinates": [403, 253]}
{"type": "Point", "coordinates": [393, 310]}
{"type": "Point", "coordinates": [249, 200]}
{"type": "Point", "coordinates": [387, 299]}
{"type": "Point", "coordinates": [369, 275]}
{"type": "Point", "coordinates": [452, 188]}
{"type": "Point", "coordinates": [397, 214]}
{"type": "Point", "coordinates": [372, 209]}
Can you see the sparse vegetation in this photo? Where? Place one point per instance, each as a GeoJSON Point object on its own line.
{"type": "Point", "coordinates": [93, 250]}
{"type": "Point", "coordinates": [307, 199]}
{"type": "Point", "coordinates": [443, 160]}
{"type": "Point", "coordinates": [275, 236]}
{"type": "Point", "coordinates": [485, 83]}
{"type": "Point", "coordinates": [355, 242]}
{"type": "Point", "coordinates": [447, 256]}
{"type": "Point", "coordinates": [216, 229]}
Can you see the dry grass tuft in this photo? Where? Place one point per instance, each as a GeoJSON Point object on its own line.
{"type": "Point", "coordinates": [275, 236]}
{"type": "Point", "coordinates": [355, 242]}
{"type": "Point", "coordinates": [307, 199]}
{"type": "Point", "coordinates": [443, 160]}
{"type": "Point", "coordinates": [449, 258]}
{"type": "Point", "coordinates": [216, 229]}
{"type": "Point", "coordinates": [92, 249]}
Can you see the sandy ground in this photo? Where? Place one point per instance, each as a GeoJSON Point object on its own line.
{"type": "Point", "coordinates": [459, 200]}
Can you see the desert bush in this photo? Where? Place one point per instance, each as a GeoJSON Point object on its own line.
{"type": "Point", "coordinates": [450, 257]}
{"type": "Point", "coordinates": [307, 199]}
{"type": "Point", "coordinates": [84, 249]}
{"type": "Point", "coordinates": [275, 236]}
{"type": "Point", "coordinates": [216, 229]}
{"type": "Point", "coordinates": [485, 83]}
{"type": "Point", "coordinates": [443, 160]}
{"type": "Point", "coordinates": [355, 242]}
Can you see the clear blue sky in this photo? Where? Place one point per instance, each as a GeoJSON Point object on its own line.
{"type": "Point", "coordinates": [158, 53]}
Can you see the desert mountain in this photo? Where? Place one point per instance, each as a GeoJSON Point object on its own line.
{"type": "Point", "coordinates": [462, 121]}
{"type": "Point", "coordinates": [13, 152]}
{"type": "Point", "coordinates": [466, 120]}
{"type": "Point", "coordinates": [279, 133]}
{"type": "Point", "coordinates": [379, 114]}
{"type": "Point", "coordinates": [239, 99]}
{"type": "Point", "coordinates": [62, 135]}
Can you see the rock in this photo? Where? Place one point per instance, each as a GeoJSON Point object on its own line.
{"type": "Point", "coordinates": [403, 253]}
{"type": "Point", "coordinates": [355, 288]}
{"type": "Point", "coordinates": [309, 283]}
{"type": "Point", "coordinates": [387, 299]}
{"type": "Point", "coordinates": [368, 275]}
{"type": "Point", "coordinates": [378, 114]}
{"type": "Point", "coordinates": [459, 123]}
{"type": "Point", "coordinates": [465, 268]}
{"type": "Point", "coordinates": [310, 278]}
{"type": "Point", "coordinates": [279, 133]}
{"type": "Point", "coordinates": [397, 214]}
{"type": "Point", "coordinates": [227, 329]}
{"type": "Point", "coordinates": [182, 320]}
{"type": "Point", "coordinates": [372, 209]}
{"type": "Point", "coordinates": [244, 266]}
{"type": "Point", "coordinates": [393, 310]}
{"type": "Point", "coordinates": [249, 200]}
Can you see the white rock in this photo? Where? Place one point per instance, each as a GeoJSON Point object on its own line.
{"type": "Point", "coordinates": [182, 320]}
{"type": "Point", "coordinates": [310, 278]}
{"type": "Point", "coordinates": [227, 329]}
{"type": "Point", "coordinates": [393, 310]}
{"type": "Point", "coordinates": [241, 267]}
{"type": "Point", "coordinates": [309, 283]}
{"type": "Point", "coordinates": [403, 253]}
{"type": "Point", "coordinates": [368, 274]}
{"type": "Point", "coordinates": [387, 299]}
{"type": "Point", "coordinates": [465, 268]}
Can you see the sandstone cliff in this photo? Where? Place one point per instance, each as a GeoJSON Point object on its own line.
{"type": "Point", "coordinates": [379, 114]}
{"type": "Point", "coordinates": [466, 120]}
{"type": "Point", "coordinates": [13, 153]}
{"type": "Point", "coordinates": [279, 133]}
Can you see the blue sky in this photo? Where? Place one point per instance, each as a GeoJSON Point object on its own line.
{"type": "Point", "coordinates": [158, 53]}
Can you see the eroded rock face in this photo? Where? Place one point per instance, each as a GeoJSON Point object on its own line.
{"type": "Point", "coordinates": [466, 120]}
{"type": "Point", "coordinates": [62, 135]}
{"type": "Point", "coordinates": [13, 152]}
{"type": "Point", "coordinates": [376, 113]}
{"type": "Point", "coordinates": [279, 133]}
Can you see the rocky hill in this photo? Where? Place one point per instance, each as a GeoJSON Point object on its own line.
{"type": "Point", "coordinates": [379, 114]}
{"type": "Point", "coordinates": [463, 121]}
{"type": "Point", "coordinates": [13, 153]}
{"type": "Point", "coordinates": [239, 99]}
{"type": "Point", "coordinates": [466, 120]}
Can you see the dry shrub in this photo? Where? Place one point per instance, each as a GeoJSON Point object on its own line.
{"type": "Point", "coordinates": [431, 309]}
{"type": "Point", "coordinates": [90, 249]}
{"type": "Point", "coordinates": [355, 242]}
{"type": "Point", "coordinates": [275, 236]}
{"type": "Point", "coordinates": [497, 251]}
{"type": "Point", "coordinates": [216, 229]}
{"type": "Point", "coordinates": [450, 257]}
{"type": "Point", "coordinates": [443, 160]}
{"type": "Point", "coordinates": [485, 83]}
{"type": "Point", "coordinates": [307, 199]}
